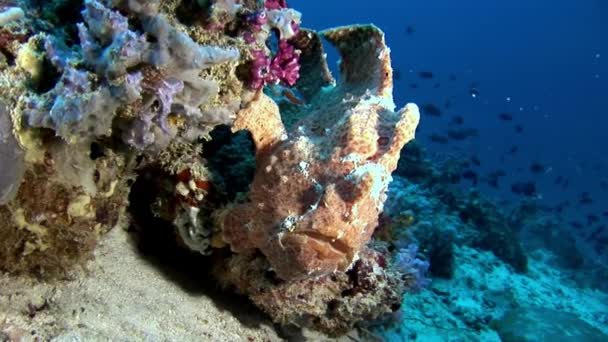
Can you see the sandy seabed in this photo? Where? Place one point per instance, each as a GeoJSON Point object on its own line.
{"type": "Point", "coordinates": [124, 296]}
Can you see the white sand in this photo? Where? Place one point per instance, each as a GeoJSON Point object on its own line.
{"type": "Point", "coordinates": [122, 297]}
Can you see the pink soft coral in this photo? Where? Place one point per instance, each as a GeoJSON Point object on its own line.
{"type": "Point", "coordinates": [275, 4]}
{"type": "Point", "coordinates": [283, 68]}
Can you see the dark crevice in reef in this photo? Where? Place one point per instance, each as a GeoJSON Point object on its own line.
{"type": "Point", "coordinates": [189, 12]}
{"type": "Point", "coordinates": [155, 237]}
{"type": "Point", "coordinates": [96, 151]}
{"type": "Point", "coordinates": [231, 158]}
{"type": "Point", "coordinates": [157, 242]}
{"type": "Point", "coordinates": [49, 78]}
{"type": "Point", "coordinates": [8, 56]}
{"type": "Point", "coordinates": [62, 14]}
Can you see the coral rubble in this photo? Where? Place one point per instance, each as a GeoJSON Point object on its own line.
{"type": "Point", "coordinates": [127, 107]}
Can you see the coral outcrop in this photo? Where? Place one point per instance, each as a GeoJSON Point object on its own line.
{"type": "Point", "coordinates": [48, 237]}
{"type": "Point", "coordinates": [216, 124]}
{"type": "Point", "coordinates": [332, 303]}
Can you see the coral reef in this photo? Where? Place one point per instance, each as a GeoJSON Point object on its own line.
{"type": "Point", "coordinates": [407, 262]}
{"type": "Point", "coordinates": [64, 202]}
{"type": "Point", "coordinates": [216, 124]}
{"type": "Point", "coordinates": [493, 266]}
{"type": "Point", "coordinates": [332, 303]}
{"type": "Point", "coordinates": [214, 135]}
{"type": "Point", "coordinates": [423, 190]}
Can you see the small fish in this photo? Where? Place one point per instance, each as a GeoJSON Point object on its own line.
{"type": "Point", "coordinates": [470, 175]}
{"type": "Point", "coordinates": [537, 168]}
{"type": "Point", "coordinates": [447, 104]}
{"type": "Point", "coordinates": [440, 139]}
{"type": "Point", "coordinates": [436, 85]}
{"type": "Point", "coordinates": [426, 75]}
{"type": "Point", "coordinates": [558, 180]}
{"type": "Point", "coordinates": [474, 92]}
{"type": "Point", "coordinates": [284, 94]}
{"type": "Point", "coordinates": [431, 109]}
{"type": "Point", "coordinates": [410, 30]}
{"type": "Point", "coordinates": [462, 134]}
{"type": "Point", "coordinates": [565, 184]}
{"type": "Point", "coordinates": [457, 120]}
{"type": "Point", "coordinates": [596, 233]}
{"type": "Point", "coordinates": [452, 77]}
{"type": "Point", "coordinates": [414, 85]}
{"type": "Point", "coordinates": [524, 188]}
{"type": "Point", "coordinates": [600, 245]}
{"type": "Point", "coordinates": [560, 207]}
{"type": "Point", "coordinates": [513, 149]}
{"type": "Point", "coordinates": [494, 177]}
{"type": "Point", "coordinates": [604, 184]}
{"type": "Point", "coordinates": [475, 161]}
{"type": "Point", "coordinates": [505, 116]}
{"type": "Point", "coordinates": [605, 213]}
{"type": "Point", "coordinates": [591, 219]}
{"type": "Point", "coordinates": [519, 128]}
{"type": "Point", "coordinates": [576, 225]}
{"type": "Point", "coordinates": [294, 98]}
{"type": "Point", "coordinates": [585, 198]}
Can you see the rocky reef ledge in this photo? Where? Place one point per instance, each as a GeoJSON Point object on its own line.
{"type": "Point", "coordinates": [154, 152]}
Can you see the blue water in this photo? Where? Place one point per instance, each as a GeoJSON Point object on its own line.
{"type": "Point", "coordinates": [542, 61]}
{"type": "Point", "coordinates": [531, 77]}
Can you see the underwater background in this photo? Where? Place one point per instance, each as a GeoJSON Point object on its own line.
{"type": "Point", "coordinates": [515, 91]}
{"type": "Point", "coordinates": [271, 170]}
{"type": "Point", "coordinates": [542, 62]}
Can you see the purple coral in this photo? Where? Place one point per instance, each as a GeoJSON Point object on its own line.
{"type": "Point", "coordinates": [417, 269]}
{"type": "Point", "coordinates": [57, 53]}
{"type": "Point", "coordinates": [285, 65]}
{"type": "Point", "coordinates": [106, 24]}
{"type": "Point", "coordinates": [71, 105]}
{"type": "Point", "coordinates": [165, 93]}
{"type": "Point", "coordinates": [283, 68]}
{"type": "Point", "coordinates": [275, 4]}
{"type": "Point", "coordinates": [106, 41]}
{"type": "Point", "coordinates": [141, 133]}
{"type": "Point", "coordinates": [259, 69]}
{"type": "Point", "coordinates": [133, 86]}
{"type": "Point", "coordinates": [257, 20]}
